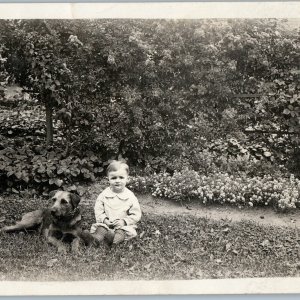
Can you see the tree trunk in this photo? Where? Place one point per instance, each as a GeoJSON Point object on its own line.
{"type": "Point", "coordinates": [49, 122]}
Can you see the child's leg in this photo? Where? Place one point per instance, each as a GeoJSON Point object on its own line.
{"type": "Point", "coordinates": [119, 236]}
{"type": "Point", "coordinates": [99, 234]}
{"type": "Point", "coordinates": [109, 236]}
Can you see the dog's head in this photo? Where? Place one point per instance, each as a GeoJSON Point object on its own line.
{"type": "Point", "coordinates": [64, 203]}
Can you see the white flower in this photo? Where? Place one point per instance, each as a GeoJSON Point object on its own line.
{"type": "Point", "coordinates": [157, 233]}
{"type": "Point", "coordinates": [74, 40]}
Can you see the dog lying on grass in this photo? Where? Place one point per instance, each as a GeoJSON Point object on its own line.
{"type": "Point", "coordinates": [59, 224]}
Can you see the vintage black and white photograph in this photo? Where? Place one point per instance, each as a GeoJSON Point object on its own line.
{"type": "Point", "coordinates": [149, 149]}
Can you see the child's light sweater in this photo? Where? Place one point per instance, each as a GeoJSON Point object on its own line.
{"type": "Point", "coordinates": [113, 206]}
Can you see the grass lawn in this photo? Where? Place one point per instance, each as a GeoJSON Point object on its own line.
{"type": "Point", "coordinates": [168, 247]}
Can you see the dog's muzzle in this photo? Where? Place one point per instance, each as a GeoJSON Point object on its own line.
{"type": "Point", "coordinates": [55, 212]}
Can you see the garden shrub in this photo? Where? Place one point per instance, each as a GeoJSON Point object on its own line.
{"type": "Point", "coordinates": [129, 87]}
{"type": "Point", "coordinates": [30, 165]}
{"type": "Point", "coordinates": [209, 162]}
{"type": "Point", "coordinates": [141, 184]}
{"type": "Point", "coordinates": [23, 123]}
{"type": "Point", "coordinates": [279, 192]}
{"type": "Point", "coordinates": [245, 164]}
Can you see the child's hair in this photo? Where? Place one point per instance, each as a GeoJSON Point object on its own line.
{"type": "Point", "coordinates": [115, 165]}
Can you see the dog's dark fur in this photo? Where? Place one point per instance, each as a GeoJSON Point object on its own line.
{"type": "Point", "coordinates": [59, 224]}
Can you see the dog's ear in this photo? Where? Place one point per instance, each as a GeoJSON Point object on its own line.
{"type": "Point", "coordinates": [75, 199]}
{"type": "Point", "coordinates": [52, 193]}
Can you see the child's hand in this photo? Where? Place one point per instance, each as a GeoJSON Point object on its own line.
{"type": "Point", "coordinates": [108, 223]}
{"type": "Point", "coordinates": [118, 223]}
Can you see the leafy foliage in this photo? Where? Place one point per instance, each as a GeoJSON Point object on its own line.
{"type": "Point", "coordinates": [23, 122]}
{"type": "Point", "coordinates": [43, 168]}
{"type": "Point", "coordinates": [60, 62]}
{"type": "Point", "coordinates": [160, 93]}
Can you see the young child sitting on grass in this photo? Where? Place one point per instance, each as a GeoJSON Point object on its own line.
{"type": "Point", "coordinates": [117, 210]}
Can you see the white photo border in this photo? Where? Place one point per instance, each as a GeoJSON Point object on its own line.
{"type": "Point", "coordinates": [148, 10]}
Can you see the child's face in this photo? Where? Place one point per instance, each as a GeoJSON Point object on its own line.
{"type": "Point", "coordinates": [117, 180]}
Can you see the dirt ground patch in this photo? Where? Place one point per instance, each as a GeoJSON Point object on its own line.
{"type": "Point", "coordinates": [263, 216]}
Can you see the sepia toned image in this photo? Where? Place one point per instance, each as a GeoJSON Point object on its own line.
{"type": "Point", "coordinates": [149, 155]}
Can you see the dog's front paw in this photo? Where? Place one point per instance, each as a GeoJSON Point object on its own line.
{"type": "Point", "coordinates": [62, 250]}
{"type": "Point", "coordinates": [75, 250]}
{"type": "Point", "coordinates": [75, 246]}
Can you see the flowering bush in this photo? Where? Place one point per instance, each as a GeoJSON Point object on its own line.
{"type": "Point", "coordinates": [282, 193]}
{"type": "Point", "coordinates": [141, 184]}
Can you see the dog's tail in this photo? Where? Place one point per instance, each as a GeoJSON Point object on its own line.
{"type": "Point", "coordinates": [29, 221]}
